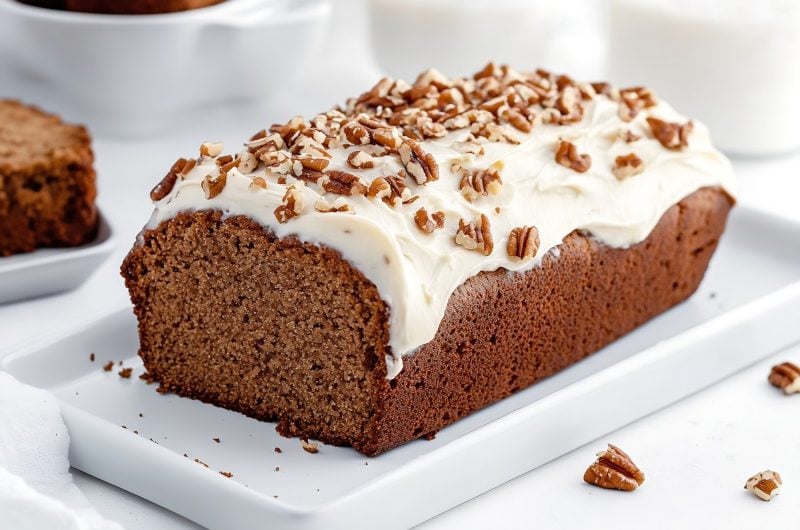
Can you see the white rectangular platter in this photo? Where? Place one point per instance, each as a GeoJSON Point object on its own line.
{"type": "Point", "coordinates": [53, 270]}
{"type": "Point", "coordinates": [750, 296]}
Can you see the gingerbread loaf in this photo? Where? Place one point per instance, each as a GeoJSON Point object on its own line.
{"type": "Point", "coordinates": [371, 275]}
{"type": "Point", "coordinates": [47, 181]}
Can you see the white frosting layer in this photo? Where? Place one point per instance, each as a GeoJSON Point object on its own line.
{"type": "Point", "coordinates": [416, 272]}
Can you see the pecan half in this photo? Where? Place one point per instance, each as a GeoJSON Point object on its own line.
{"type": "Point", "coordinates": [764, 485]}
{"type": "Point", "coordinates": [673, 136]}
{"type": "Point", "coordinates": [614, 469]}
{"type": "Point", "coordinates": [214, 186]}
{"type": "Point", "coordinates": [163, 188]}
{"type": "Point", "coordinates": [420, 165]}
{"type": "Point", "coordinates": [786, 376]}
{"type": "Point", "coordinates": [356, 134]}
{"type": "Point", "coordinates": [387, 137]}
{"type": "Point", "coordinates": [343, 183]}
{"type": "Point", "coordinates": [518, 120]}
{"type": "Point", "coordinates": [392, 190]}
{"type": "Point", "coordinates": [480, 182]}
{"type": "Point", "coordinates": [360, 160]}
{"type": "Point", "coordinates": [627, 166]}
{"type": "Point", "coordinates": [567, 155]}
{"type": "Point", "coordinates": [291, 205]}
{"type": "Point", "coordinates": [475, 235]}
{"type": "Point", "coordinates": [428, 223]}
{"type": "Point", "coordinates": [523, 243]}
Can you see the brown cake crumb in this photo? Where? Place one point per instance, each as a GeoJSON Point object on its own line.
{"type": "Point", "coordinates": [278, 450]}
{"type": "Point", "coordinates": [108, 366]}
{"type": "Point", "coordinates": [125, 373]}
{"type": "Point", "coordinates": [226, 474]}
{"type": "Point", "coordinates": [277, 468]}
{"type": "Point", "coordinates": [216, 439]}
{"type": "Point", "coordinates": [91, 357]}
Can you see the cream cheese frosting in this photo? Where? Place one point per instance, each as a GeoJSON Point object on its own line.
{"type": "Point", "coordinates": [415, 272]}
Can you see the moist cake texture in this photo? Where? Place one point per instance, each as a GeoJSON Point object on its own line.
{"type": "Point", "coordinates": [373, 274]}
{"type": "Point", "coordinates": [47, 181]}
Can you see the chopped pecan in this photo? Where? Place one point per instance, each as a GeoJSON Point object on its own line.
{"type": "Point", "coordinates": [764, 485]}
{"type": "Point", "coordinates": [629, 136]}
{"type": "Point", "coordinates": [614, 469]}
{"type": "Point", "coordinates": [314, 164]}
{"type": "Point", "coordinates": [258, 183]}
{"type": "Point", "coordinates": [310, 447]}
{"type": "Point", "coordinates": [214, 186]}
{"type": "Point", "coordinates": [420, 165]}
{"type": "Point", "coordinates": [223, 160]}
{"type": "Point", "coordinates": [786, 376]}
{"type": "Point", "coordinates": [494, 132]}
{"type": "Point", "coordinates": [468, 146]}
{"type": "Point", "coordinates": [247, 162]}
{"type": "Point", "coordinates": [567, 155]}
{"type": "Point", "coordinates": [163, 188]}
{"type": "Point", "coordinates": [291, 205]}
{"type": "Point", "coordinates": [627, 166]}
{"type": "Point", "coordinates": [479, 182]}
{"type": "Point", "coordinates": [356, 134]}
{"type": "Point", "coordinates": [343, 183]}
{"type": "Point", "coordinates": [392, 190]}
{"type": "Point", "coordinates": [523, 242]}
{"type": "Point", "coordinates": [387, 137]}
{"type": "Point", "coordinates": [211, 149]}
{"type": "Point", "coordinates": [360, 160]}
{"type": "Point", "coordinates": [428, 223]}
{"type": "Point", "coordinates": [674, 136]}
{"type": "Point", "coordinates": [518, 120]}
{"type": "Point", "coordinates": [323, 206]}
{"type": "Point", "coordinates": [475, 235]}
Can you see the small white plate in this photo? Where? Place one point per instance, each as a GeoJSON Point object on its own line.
{"type": "Point", "coordinates": [53, 270]}
{"type": "Point", "coordinates": [747, 307]}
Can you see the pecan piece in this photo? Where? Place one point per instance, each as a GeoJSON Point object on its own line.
{"type": "Point", "coordinates": [356, 134]}
{"type": "Point", "coordinates": [786, 376]}
{"type": "Point", "coordinates": [567, 155]}
{"type": "Point", "coordinates": [392, 190]}
{"type": "Point", "coordinates": [480, 182]}
{"type": "Point", "coordinates": [614, 469]}
{"type": "Point", "coordinates": [428, 223]}
{"type": "Point", "coordinates": [247, 162]}
{"type": "Point", "coordinates": [163, 188]}
{"type": "Point", "coordinates": [313, 164]}
{"type": "Point", "coordinates": [764, 485]}
{"type": "Point", "coordinates": [324, 206]}
{"type": "Point", "coordinates": [257, 183]}
{"type": "Point", "coordinates": [523, 242]}
{"type": "Point", "coordinates": [673, 136]}
{"type": "Point", "coordinates": [475, 235]}
{"type": "Point", "coordinates": [214, 186]}
{"type": "Point", "coordinates": [360, 160]}
{"type": "Point", "coordinates": [518, 120]}
{"type": "Point", "coordinates": [291, 205]}
{"type": "Point", "coordinates": [493, 132]}
{"type": "Point", "coordinates": [310, 447]}
{"type": "Point", "coordinates": [627, 166]}
{"type": "Point", "coordinates": [387, 137]}
{"type": "Point", "coordinates": [420, 165]}
{"type": "Point", "coordinates": [468, 146]}
{"type": "Point", "coordinates": [343, 183]}
{"type": "Point", "coordinates": [211, 149]}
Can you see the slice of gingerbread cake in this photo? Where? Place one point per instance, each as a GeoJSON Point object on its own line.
{"type": "Point", "coordinates": [374, 273]}
{"type": "Point", "coordinates": [47, 181]}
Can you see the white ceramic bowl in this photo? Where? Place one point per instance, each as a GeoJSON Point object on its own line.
{"type": "Point", "coordinates": [134, 74]}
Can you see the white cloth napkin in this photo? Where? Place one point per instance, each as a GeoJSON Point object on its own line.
{"type": "Point", "coordinates": [36, 488]}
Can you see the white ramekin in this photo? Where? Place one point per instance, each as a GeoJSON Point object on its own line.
{"type": "Point", "coordinates": [132, 75]}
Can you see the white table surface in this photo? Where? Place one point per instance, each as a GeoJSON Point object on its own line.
{"type": "Point", "coordinates": [696, 454]}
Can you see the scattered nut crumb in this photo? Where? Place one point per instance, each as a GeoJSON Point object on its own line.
{"type": "Point", "coordinates": [226, 474]}
{"type": "Point", "coordinates": [108, 366]}
{"type": "Point", "coordinates": [125, 373]}
{"type": "Point", "coordinates": [764, 485]}
{"type": "Point", "coordinates": [310, 447]}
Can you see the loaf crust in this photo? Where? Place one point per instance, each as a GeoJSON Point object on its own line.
{"type": "Point", "coordinates": [307, 333]}
{"type": "Point", "coordinates": [47, 181]}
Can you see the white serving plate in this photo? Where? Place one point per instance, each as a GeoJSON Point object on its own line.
{"type": "Point", "coordinates": [747, 307]}
{"type": "Point", "coordinates": [53, 270]}
{"type": "Point", "coordinates": [133, 75]}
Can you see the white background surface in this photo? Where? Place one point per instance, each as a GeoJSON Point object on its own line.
{"type": "Point", "coordinates": [696, 454]}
